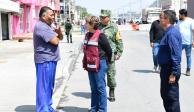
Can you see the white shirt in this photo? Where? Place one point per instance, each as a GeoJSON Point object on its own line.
{"type": "Point", "coordinates": [185, 27]}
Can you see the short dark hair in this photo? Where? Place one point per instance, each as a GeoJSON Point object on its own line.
{"type": "Point", "coordinates": [43, 10]}
{"type": "Point", "coordinates": [171, 15]}
{"type": "Point", "coordinates": [183, 12]}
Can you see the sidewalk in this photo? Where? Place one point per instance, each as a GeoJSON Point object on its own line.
{"type": "Point", "coordinates": [18, 79]}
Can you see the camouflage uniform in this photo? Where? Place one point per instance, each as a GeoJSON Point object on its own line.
{"type": "Point", "coordinates": [113, 35]}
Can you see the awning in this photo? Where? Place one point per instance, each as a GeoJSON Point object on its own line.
{"type": "Point", "coordinates": [9, 6]}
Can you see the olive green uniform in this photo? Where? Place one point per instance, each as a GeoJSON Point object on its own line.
{"type": "Point", "coordinates": [114, 38]}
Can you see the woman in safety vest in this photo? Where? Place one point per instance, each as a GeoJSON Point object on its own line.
{"type": "Point", "coordinates": [97, 55]}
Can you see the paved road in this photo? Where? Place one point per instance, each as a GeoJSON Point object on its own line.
{"type": "Point", "coordinates": [17, 71]}
{"type": "Point", "coordinates": [138, 87]}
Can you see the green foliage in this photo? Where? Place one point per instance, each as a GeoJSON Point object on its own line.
{"type": "Point", "coordinates": [83, 12]}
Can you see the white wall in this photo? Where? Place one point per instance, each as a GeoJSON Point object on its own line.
{"type": "Point", "coordinates": [0, 28]}
{"type": "Point", "coordinates": [9, 6]}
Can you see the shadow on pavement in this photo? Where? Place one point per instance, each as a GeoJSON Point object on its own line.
{"type": "Point", "coordinates": [73, 109]}
{"type": "Point", "coordinates": [143, 71]}
{"type": "Point", "coordinates": [26, 108]}
{"type": "Point", "coordinates": [82, 94]}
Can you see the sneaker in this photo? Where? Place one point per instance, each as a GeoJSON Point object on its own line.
{"type": "Point", "coordinates": [188, 72]}
{"type": "Point", "coordinates": [155, 69]}
{"type": "Point", "coordinates": [159, 69]}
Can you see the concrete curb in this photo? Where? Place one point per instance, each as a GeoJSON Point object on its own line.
{"type": "Point", "coordinates": [67, 69]}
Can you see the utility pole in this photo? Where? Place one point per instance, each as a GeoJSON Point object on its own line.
{"type": "Point", "coordinates": [64, 11]}
{"type": "Point", "coordinates": [140, 8]}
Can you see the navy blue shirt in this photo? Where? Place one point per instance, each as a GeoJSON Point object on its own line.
{"type": "Point", "coordinates": [170, 49]}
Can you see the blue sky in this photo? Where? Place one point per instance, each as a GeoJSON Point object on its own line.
{"type": "Point", "coordinates": [94, 6]}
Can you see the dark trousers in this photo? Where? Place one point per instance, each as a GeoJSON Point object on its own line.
{"type": "Point", "coordinates": [69, 36]}
{"type": "Point", "coordinates": [169, 92]}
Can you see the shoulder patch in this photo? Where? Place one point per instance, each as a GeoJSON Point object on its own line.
{"type": "Point", "coordinates": [118, 36]}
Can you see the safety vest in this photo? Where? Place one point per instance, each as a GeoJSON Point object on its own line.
{"type": "Point", "coordinates": [91, 59]}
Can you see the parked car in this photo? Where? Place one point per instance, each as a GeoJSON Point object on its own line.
{"type": "Point", "coordinates": [137, 20]}
{"type": "Point", "coordinates": [114, 20]}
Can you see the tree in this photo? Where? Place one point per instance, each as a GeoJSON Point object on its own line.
{"type": "Point", "coordinates": [83, 11]}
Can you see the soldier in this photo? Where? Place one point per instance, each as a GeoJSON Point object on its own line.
{"type": "Point", "coordinates": [111, 31]}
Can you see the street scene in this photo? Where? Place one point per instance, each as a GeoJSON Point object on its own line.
{"type": "Point", "coordinates": [87, 56]}
{"type": "Point", "coordinates": [138, 87]}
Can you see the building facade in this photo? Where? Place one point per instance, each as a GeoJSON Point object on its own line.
{"type": "Point", "coordinates": [29, 14]}
{"type": "Point", "coordinates": [23, 16]}
{"type": "Point", "coordinates": [68, 7]}
{"type": "Point", "coordinates": [190, 8]}
{"type": "Point", "coordinates": [6, 13]}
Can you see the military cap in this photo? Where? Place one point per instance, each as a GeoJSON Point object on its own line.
{"type": "Point", "coordinates": [105, 12]}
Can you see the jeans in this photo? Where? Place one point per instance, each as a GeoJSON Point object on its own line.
{"type": "Point", "coordinates": [83, 30]}
{"type": "Point", "coordinates": [98, 88]}
{"type": "Point", "coordinates": [155, 53]}
{"type": "Point", "coordinates": [188, 49]}
{"type": "Point", "coordinates": [45, 75]}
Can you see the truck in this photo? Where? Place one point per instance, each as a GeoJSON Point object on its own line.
{"type": "Point", "coordinates": [150, 14]}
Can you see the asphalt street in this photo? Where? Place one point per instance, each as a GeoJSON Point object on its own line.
{"type": "Point", "coordinates": [138, 88]}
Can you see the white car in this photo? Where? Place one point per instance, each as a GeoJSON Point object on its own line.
{"type": "Point", "coordinates": [137, 20]}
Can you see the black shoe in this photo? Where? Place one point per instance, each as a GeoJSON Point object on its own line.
{"type": "Point", "coordinates": [111, 99]}
{"type": "Point", "coordinates": [188, 72]}
{"type": "Point", "coordinates": [111, 95]}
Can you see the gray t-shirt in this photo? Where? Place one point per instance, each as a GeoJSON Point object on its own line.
{"type": "Point", "coordinates": [43, 50]}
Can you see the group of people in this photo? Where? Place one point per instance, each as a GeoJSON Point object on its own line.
{"type": "Point", "coordinates": [168, 37]}
{"type": "Point", "coordinates": [102, 47]}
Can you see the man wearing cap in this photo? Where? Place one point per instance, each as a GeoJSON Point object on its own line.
{"type": "Point", "coordinates": [111, 31]}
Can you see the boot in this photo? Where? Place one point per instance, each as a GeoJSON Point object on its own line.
{"type": "Point", "coordinates": [188, 72]}
{"type": "Point", "coordinates": [111, 95]}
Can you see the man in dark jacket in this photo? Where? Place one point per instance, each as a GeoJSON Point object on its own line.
{"type": "Point", "coordinates": [68, 30]}
{"type": "Point", "coordinates": [169, 58]}
{"type": "Point", "coordinates": [156, 34]}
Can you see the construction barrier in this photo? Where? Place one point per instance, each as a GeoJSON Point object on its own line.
{"type": "Point", "coordinates": [135, 26]}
